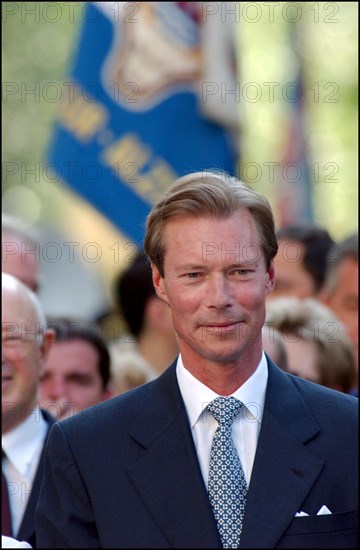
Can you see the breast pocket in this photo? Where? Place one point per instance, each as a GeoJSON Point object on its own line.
{"type": "Point", "coordinates": [326, 531]}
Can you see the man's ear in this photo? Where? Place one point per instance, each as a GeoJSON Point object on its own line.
{"type": "Point", "coordinates": [323, 297]}
{"type": "Point", "coordinates": [270, 283]}
{"type": "Point", "coordinates": [159, 285]}
{"type": "Point", "coordinates": [48, 338]}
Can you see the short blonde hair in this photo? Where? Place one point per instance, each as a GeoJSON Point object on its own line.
{"type": "Point", "coordinates": [208, 194]}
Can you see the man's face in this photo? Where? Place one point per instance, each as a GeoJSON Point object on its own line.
{"type": "Point", "coordinates": [215, 282]}
{"type": "Point", "coordinates": [344, 300]}
{"type": "Point", "coordinates": [71, 381]}
{"type": "Point", "coordinates": [292, 279]}
{"type": "Point", "coordinates": [20, 261]}
{"type": "Point", "coordinates": [22, 358]}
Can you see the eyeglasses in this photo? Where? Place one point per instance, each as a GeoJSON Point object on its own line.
{"type": "Point", "coordinates": [16, 347]}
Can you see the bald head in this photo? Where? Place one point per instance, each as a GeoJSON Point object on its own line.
{"type": "Point", "coordinates": [25, 305]}
{"type": "Point", "coordinates": [20, 256]}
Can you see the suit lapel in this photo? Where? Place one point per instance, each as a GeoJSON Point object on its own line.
{"type": "Point", "coordinates": [169, 479]}
{"type": "Point", "coordinates": [27, 527]}
{"type": "Point", "coordinates": [284, 470]}
{"type": "Point", "coordinates": [168, 476]}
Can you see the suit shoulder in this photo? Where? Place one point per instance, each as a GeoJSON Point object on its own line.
{"type": "Point", "coordinates": [319, 399]}
{"type": "Point", "coordinates": [122, 410]}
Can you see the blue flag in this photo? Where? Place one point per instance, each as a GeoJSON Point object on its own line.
{"type": "Point", "coordinates": [131, 118]}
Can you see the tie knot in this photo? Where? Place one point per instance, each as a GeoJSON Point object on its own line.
{"type": "Point", "coordinates": [224, 409]}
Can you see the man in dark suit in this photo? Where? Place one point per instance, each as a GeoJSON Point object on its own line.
{"type": "Point", "coordinates": [142, 470]}
{"type": "Point", "coordinates": [25, 343]}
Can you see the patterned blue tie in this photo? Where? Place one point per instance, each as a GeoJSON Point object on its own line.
{"type": "Point", "coordinates": [227, 485]}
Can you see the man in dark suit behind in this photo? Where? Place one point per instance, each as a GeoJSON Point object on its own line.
{"type": "Point", "coordinates": [140, 471]}
{"type": "Point", "coordinates": [25, 343]}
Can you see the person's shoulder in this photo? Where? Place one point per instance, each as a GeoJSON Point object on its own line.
{"type": "Point", "coordinates": [354, 392]}
{"type": "Point", "coordinates": [124, 405]}
{"type": "Point", "coordinates": [323, 392]}
{"type": "Point", "coordinates": [125, 408]}
{"type": "Point", "coordinates": [329, 403]}
{"type": "Point", "coordinates": [310, 391]}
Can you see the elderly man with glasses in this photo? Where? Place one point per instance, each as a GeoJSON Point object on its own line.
{"type": "Point", "coordinates": [25, 344]}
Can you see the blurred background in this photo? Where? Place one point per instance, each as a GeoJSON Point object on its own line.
{"type": "Point", "coordinates": [295, 95]}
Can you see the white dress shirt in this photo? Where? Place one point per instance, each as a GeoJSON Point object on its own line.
{"type": "Point", "coordinates": [8, 542]}
{"type": "Point", "coordinates": [246, 426]}
{"type": "Point", "coordinates": [23, 447]}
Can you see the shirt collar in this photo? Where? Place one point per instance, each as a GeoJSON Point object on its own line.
{"type": "Point", "coordinates": [21, 443]}
{"type": "Point", "coordinates": [197, 396]}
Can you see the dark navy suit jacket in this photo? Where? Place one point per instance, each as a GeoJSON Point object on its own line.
{"type": "Point", "coordinates": [125, 474]}
{"type": "Point", "coordinates": [27, 527]}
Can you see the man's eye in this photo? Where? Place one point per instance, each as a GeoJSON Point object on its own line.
{"type": "Point", "coordinates": [80, 380]}
{"type": "Point", "coordinates": [243, 271]}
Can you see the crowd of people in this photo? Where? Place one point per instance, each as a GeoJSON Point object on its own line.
{"type": "Point", "coordinates": [264, 322]}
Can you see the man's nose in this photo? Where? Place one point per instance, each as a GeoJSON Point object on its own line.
{"type": "Point", "coordinates": [55, 388]}
{"type": "Point", "coordinates": [219, 292]}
